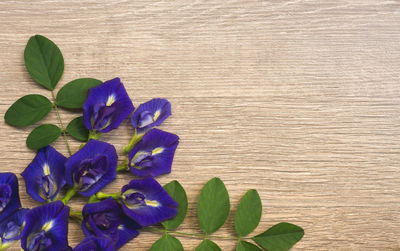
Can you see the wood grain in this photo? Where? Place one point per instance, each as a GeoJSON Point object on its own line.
{"type": "Point", "coordinates": [297, 99]}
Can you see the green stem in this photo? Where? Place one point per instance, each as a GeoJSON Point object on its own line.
{"type": "Point", "coordinates": [123, 166]}
{"type": "Point", "coordinates": [70, 193]}
{"type": "Point", "coordinates": [76, 215]}
{"type": "Point", "coordinates": [198, 236]}
{"type": "Point", "coordinates": [134, 140]}
{"type": "Point", "coordinates": [63, 130]}
{"type": "Point", "coordinates": [93, 199]}
{"type": "Point", "coordinates": [115, 196]}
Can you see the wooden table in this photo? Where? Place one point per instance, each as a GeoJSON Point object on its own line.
{"type": "Point", "coordinates": [297, 99]}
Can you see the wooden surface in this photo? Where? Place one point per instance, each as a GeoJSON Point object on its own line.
{"type": "Point", "coordinates": [297, 99]}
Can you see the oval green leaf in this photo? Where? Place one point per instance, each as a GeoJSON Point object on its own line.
{"type": "Point", "coordinates": [28, 110]}
{"type": "Point", "coordinates": [73, 94]}
{"type": "Point", "coordinates": [167, 243]}
{"type": "Point", "coordinates": [280, 237]}
{"type": "Point", "coordinates": [77, 129]}
{"type": "Point", "coordinates": [213, 207]}
{"type": "Point", "coordinates": [248, 213]}
{"type": "Point", "coordinates": [42, 136]}
{"type": "Point", "coordinates": [44, 61]}
{"type": "Point", "coordinates": [246, 246]}
{"type": "Point", "coordinates": [176, 191]}
{"type": "Point", "coordinates": [207, 245]}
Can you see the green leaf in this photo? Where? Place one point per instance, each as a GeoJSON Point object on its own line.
{"type": "Point", "coordinates": [213, 207]}
{"type": "Point", "coordinates": [44, 61]}
{"type": "Point", "coordinates": [179, 195]}
{"type": "Point", "coordinates": [28, 110]}
{"type": "Point", "coordinates": [42, 136]}
{"type": "Point", "coordinates": [246, 246]}
{"type": "Point", "coordinates": [73, 94]}
{"type": "Point", "coordinates": [248, 213]}
{"type": "Point", "coordinates": [280, 237]}
{"type": "Point", "coordinates": [77, 129]}
{"type": "Point", "coordinates": [207, 245]}
{"type": "Point", "coordinates": [167, 243]}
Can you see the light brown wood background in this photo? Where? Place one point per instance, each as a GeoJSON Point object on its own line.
{"type": "Point", "coordinates": [297, 99]}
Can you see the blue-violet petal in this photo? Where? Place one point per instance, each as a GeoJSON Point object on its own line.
{"type": "Point", "coordinates": [46, 228]}
{"type": "Point", "coordinates": [106, 106]}
{"type": "Point", "coordinates": [45, 175]}
{"type": "Point", "coordinates": [150, 114]}
{"type": "Point", "coordinates": [154, 154]}
{"type": "Point", "coordinates": [146, 202]}
{"type": "Point", "coordinates": [92, 167]}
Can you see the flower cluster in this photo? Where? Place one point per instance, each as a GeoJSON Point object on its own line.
{"type": "Point", "coordinates": [108, 220]}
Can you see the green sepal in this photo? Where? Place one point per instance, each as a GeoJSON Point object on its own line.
{"type": "Point", "coordinates": [93, 135]}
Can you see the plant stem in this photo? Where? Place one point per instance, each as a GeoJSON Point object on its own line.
{"type": "Point", "coordinates": [115, 196]}
{"type": "Point", "coordinates": [76, 215]}
{"type": "Point", "coordinates": [123, 166]}
{"type": "Point", "coordinates": [70, 193]}
{"type": "Point", "coordinates": [61, 124]}
{"type": "Point", "coordinates": [194, 235]}
{"type": "Point", "coordinates": [93, 199]}
{"type": "Point", "coordinates": [134, 140]}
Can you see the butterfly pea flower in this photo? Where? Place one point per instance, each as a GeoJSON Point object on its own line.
{"type": "Point", "coordinates": [150, 114]}
{"type": "Point", "coordinates": [154, 154]}
{"type": "Point", "coordinates": [44, 176]}
{"type": "Point", "coordinates": [11, 228]}
{"type": "Point", "coordinates": [93, 243]}
{"type": "Point", "coordinates": [146, 202]}
{"type": "Point", "coordinates": [106, 218]}
{"type": "Point", "coordinates": [46, 228]}
{"type": "Point", "coordinates": [147, 116]}
{"type": "Point", "coordinates": [92, 167]}
{"type": "Point", "coordinates": [106, 106]}
{"type": "Point", "coordinates": [9, 197]}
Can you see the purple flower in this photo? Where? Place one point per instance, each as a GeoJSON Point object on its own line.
{"type": "Point", "coordinates": [91, 168]}
{"type": "Point", "coordinates": [46, 228]}
{"type": "Point", "coordinates": [106, 218]}
{"type": "Point", "coordinates": [154, 154]}
{"type": "Point", "coordinates": [9, 197]}
{"type": "Point", "coordinates": [106, 106]}
{"type": "Point", "coordinates": [150, 114]}
{"type": "Point", "coordinates": [93, 243]}
{"type": "Point", "coordinates": [44, 176]}
{"type": "Point", "coordinates": [146, 202]}
{"type": "Point", "coordinates": [101, 218]}
{"type": "Point", "coordinates": [10, 228]}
